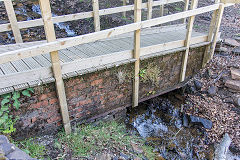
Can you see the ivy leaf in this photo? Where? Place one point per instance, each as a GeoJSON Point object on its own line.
{"type": "Point", "coordinates": [31, 90]}
{"type": "Point", "coordinates": [3, 119]}
{"type": "Point", "coordinates": [4, 108]}
{"type": "Point", "coordinates": [26, 93]}
{"type": "Point", "coordinates": [6, 96]}
{"type": "Point", "coordinates": [16, 95]}
{"type": "Point", "coordinates": [5, 101]}
{"type": "Point", "coordinates": [16, 104]}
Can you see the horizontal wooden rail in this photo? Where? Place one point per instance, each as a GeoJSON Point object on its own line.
{"type": "Point", "coordinates": [73, 41]}
{"type": "Point", "coordinates": [46, 72]}
{"type": "Point", "coordinates": [78, 16]}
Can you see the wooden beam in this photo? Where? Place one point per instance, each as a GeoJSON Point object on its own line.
{"type": "Point", "coordinates": [161, 10]}
{"type": "Point", "coordinates": [81, 64]}
{"type": "Point", "coordinates": [215, 36]}
{"type": "Point", "coordinates": [73, 41]}
{"type": "Point", "coordinates": [212, 28]}
{"type": "Point", "coordinates": [96, 17]}
{"type": "Point", "coordinates": [150, 5]}
{"type": "Point", "coordinates": [185, 9]}
{"type": "Point", "coordinates": [77, 16]}
{"type": "Point", "coordinates": [13, 21]}
{"type": "Point", "coordinates": [136, 55]}
{"type": "Point", "coordinates": [51, 37]}
{"type": "Point", "coordinates": [124, 4]}
{"type": "Point", "coordinates": [188, 42]}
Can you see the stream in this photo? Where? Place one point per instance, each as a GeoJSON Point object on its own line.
{"type": "Point", "coordinates": [172, 133]}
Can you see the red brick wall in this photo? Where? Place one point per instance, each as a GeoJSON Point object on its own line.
{"type": "Point", "coordinates": [98, 93]}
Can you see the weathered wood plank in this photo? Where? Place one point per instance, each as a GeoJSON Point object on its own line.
{"type": "Point", "coordinates": [185, 9]}
{"type": "Point", "coordinates": [136, 55]}
{"type": "Point", "coordinates": [50, 34]}
{"type": "Point", "coordinates": [73, 41]}
{"type": "Point", "coordinates": [77, 16]}
{"type": "Point", "coordinates": [218, 23]}
{"type": "Point", "coordinates": [150, 5]}
{"type": "Point", "coordinates": [188, 42]}
{"type": "Point", "coordinates": [96, 17]}
{"type": "Point", "coordinates": [13, 21]}
{"type": "Point", "coordinates": [212, 27]}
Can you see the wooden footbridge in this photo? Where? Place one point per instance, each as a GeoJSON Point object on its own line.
{"type": "Point", "coordinates": [29, 64]}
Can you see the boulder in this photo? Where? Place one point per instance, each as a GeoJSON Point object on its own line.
{"type": "Point", "coordinates": [198, 120]}
{"type": "Point", "coordinates": [231, 42]}
{"type": "Point", "coordinates": [233, 85]}
{"type": "Point", "coordinates": [235, 73]}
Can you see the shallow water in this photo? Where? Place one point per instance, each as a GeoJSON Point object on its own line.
{"type": "Point", "coordinates": [168, 131]}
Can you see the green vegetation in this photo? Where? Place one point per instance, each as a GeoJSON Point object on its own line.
{"type": "Point", "coordinates": [150, 74]}
{"type": "Point", "coordinates": [32, 148]}
{"type": "Point", "coordinates": [89, 140]}
{"type": "Point", "coordinates": [9, 102]}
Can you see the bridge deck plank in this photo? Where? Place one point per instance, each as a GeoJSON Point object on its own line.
{"type": "Point", "coordinates": [88, 51]}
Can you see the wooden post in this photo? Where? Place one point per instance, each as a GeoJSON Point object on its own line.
{"type": "Point", "coordinates": [124, 4]}
{"type": "Point", "coordinates": [218, 23]}
{"type": "Point", "coordinates": [50, 34]}
{"type": "Point", "coordinates": [13, 21]}
{"type": "Point", "coordinates": [137, 36]}
{"type": "Point", "coordinates": [187, 42]}
{"type": "Point", "coordinates": [149, 15]}
{"type": "Point", "coordinates": [96, 17]}
{"type": "Point", "coordinates": [212, 28]}
{"type": "Point", "coordinates": [161, 10]}
{"type": "Point", "coordinates": [185, 9]}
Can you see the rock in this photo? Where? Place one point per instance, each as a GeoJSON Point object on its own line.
{"type": "Point", "coordinates": [8, 148]}
{"type": "Point", "coordinates": [231, 42]}
{"type": "Point", "coordinates": [137, 148]}
{"type": "Point", "coordinates": [237, 38]}
{"type": "Point", "coordinates": [223, 148]}
{"type": "Point", "coordinates": [198, 84]}
{"type": "Point", "coordinates": [236, 101]}
{"type": "Point", "coordinates": [185, 120]}
{"type": "Point", "coordinates": [178, 123]}
{"type": "Point", "coordinates": [137, 158]}
{"type": "Point", "coordinates": [236, 50]}
{"type": "Point", "coordinates": [104, 156]}
{"type": "Point", "coordinates": [124, 156]}
{"type": "Point", "coordinates": [198, 120]}
{"type": "Point", "coordinates": [212, 90]}
{"type": "Point", "coordinates": [18, 154]}
{"type": "Point", "coordinates": [221, 49]}
{"type": "Point", "coordinates": [3, 139]}
{"type": "Point", "coordinates": [235, 73]}
{"type": "Point", "coordinates": [233, 84]}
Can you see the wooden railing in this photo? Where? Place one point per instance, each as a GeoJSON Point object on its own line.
{"type": "Point", "coordinates": [53, 44]}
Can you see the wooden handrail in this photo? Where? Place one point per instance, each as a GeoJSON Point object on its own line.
{"type": "Point", "coordinates": [78, 16]}
{"type": "Point", "coordinates": [91, 37]}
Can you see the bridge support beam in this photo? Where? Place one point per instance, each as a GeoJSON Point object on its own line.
{"type": "Point", "coordinates": [213, 34]}
{"type": "Point", "coordinates": [13, 21]}
{"type": "Point", "coordinates": [56, 67]}
{"type": "Point", "coordinates": [137, 36]}
{"type": "Point", "coordinates": [187, 42]}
